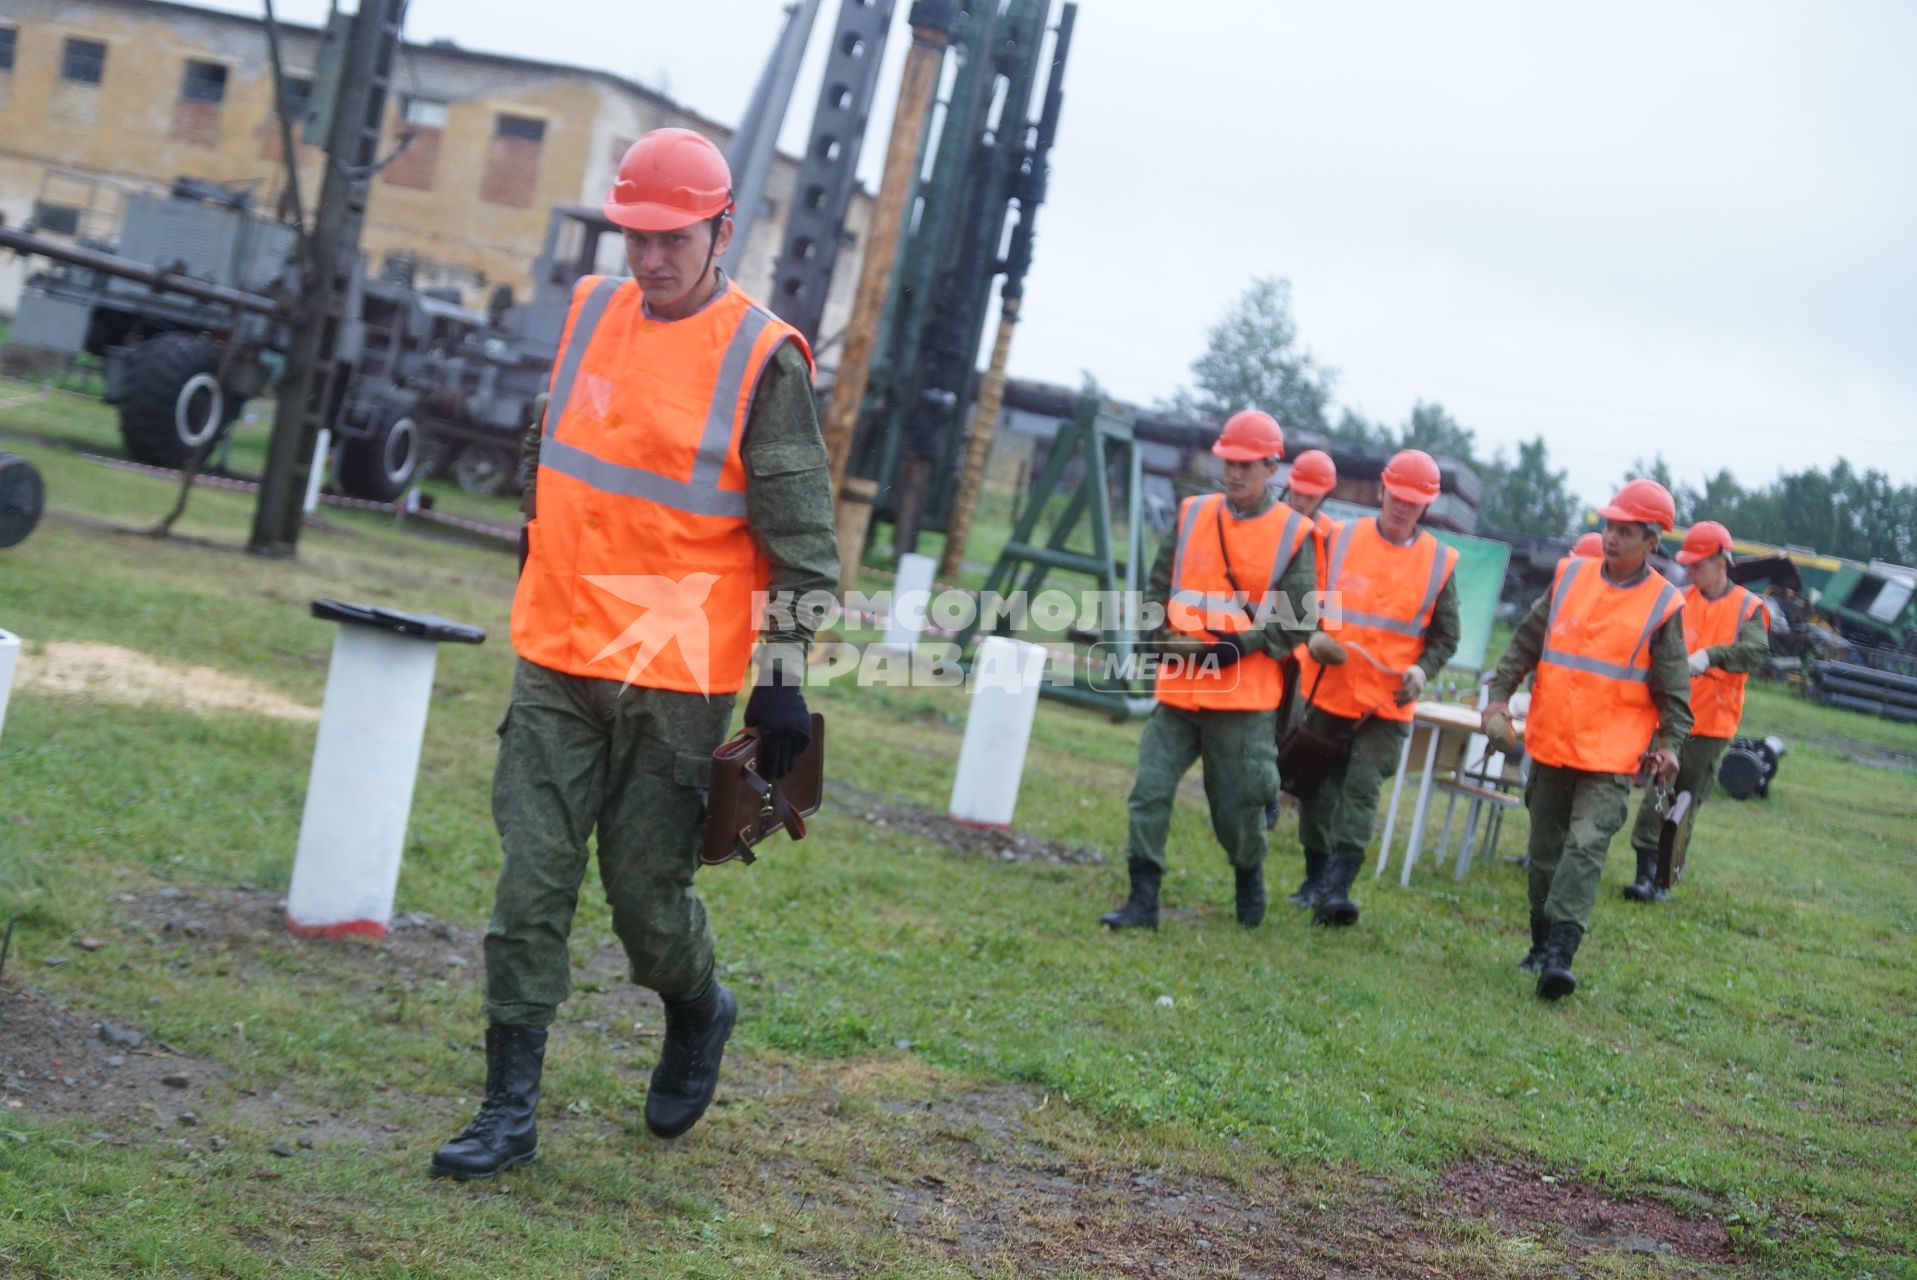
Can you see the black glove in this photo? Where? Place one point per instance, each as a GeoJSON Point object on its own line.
{"type": "Point", "coordinates": [1228, 650]}
{"type": "Point", "coordinates": [778, 712]}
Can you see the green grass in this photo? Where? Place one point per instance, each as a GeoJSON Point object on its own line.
{"type": "Point", "coordinates": [1749, 1042]}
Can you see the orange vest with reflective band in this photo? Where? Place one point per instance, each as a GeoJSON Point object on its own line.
{"type": "Point", "coordinates": [1379, 598]}
{"type": "Point", "coordinates": [1717, 697]}
{"type": "Point", "coordinates": [1591, 706]}
{"type": "Point", "coordinates": [1224, 573]}
{"type": "Point", "coordinates": [642, 568]}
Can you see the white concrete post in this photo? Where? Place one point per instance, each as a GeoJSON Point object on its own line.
{"type": "Point", "coordinates": [360, 792]}
{"type": "Point", "coordinates": [911, 596]}
{"type": "Point", "coordinates": [1006, 676]}
{"type": "Point", "coordinates": [9, 658]}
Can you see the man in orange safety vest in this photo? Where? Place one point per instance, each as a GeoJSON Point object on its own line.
{"type": "Point", "coordinates": [680, 474]}
{"type": "Point", "coordinates": [1612, 693]}
{"type": "Point", "coordinates": [1727, 633]}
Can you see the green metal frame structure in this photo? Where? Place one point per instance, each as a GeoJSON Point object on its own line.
{"type": "Point", "coordinates": [1046, 540]}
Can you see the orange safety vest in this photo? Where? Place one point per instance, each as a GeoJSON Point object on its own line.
{"type": "Point", "coordinates": [1591, 706]}
{"type": "Point", "coordinates": [1222, 558]}
{"type": "Point", "coordinates": [1379, 597]}
{"type": "Point", "coordinates": [1717, 697]}
{"type": "Point", "coordinates": [642, 568]}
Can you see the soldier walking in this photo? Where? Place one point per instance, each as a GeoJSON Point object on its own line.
{"type": "Point", "coordinates": [1613, 686]}
{"type": "Point", "coordinates": [1233, 582]}
{"type": "Point", "coordinates": [1390, 625]}
{"type": "Point", "coordinates": [1727, 635]}
{"type": "Point", "coordinates": [681, 471]}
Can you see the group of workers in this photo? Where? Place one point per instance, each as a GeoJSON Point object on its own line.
{"type": "Point", "coordinates": [1633, 678]}
{"type": "Point", "coordinates": [680, 470]}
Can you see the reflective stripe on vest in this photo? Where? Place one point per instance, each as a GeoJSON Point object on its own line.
{"type": "Point", "coordinates": [1597, 666]}
{"type": "Point", "coordinates": [1213, 602]}
{"type": "Point", "coordinates": [1717, 695]}
{"type": "Point", "coordinates": [1388, 636]}
{"type": "Point", "coordinates": [1591, 705]}
{"type": "Point", "coordinates": [1195, 608]}
{"type": "Point", "coordinates": [1416, 625]}
{"type": "Point", "coordinates": [642, 568]}
{"type": "Point", "coordinates": [700, 495]}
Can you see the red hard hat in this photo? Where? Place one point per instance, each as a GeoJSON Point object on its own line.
{"type": "Point", "coordinates": [670, 178]}
{"type": "Point", "coordinates": [1706, 538]}
{"type": "Point", "coordinates": [1249, 436]}
{"type": "Point", "coordinates": [1313, 474]}
{"type": "Point", "coordinates": [1589, 545]}
{"type": "Point", "coordinates": [1412, 476]}
{"type": "Point", "coordinates": [1644, 501]}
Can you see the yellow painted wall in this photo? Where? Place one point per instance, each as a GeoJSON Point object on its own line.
{"type": "Point", "coordinates": [124, 131]}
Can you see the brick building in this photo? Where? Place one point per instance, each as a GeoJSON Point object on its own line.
{"type": "Point", "coordinates": [100, 96]}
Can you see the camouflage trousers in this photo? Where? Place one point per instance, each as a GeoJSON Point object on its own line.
{"type": "Point", "coordinates": [1697, 774]}
{"type": "Point", "coordinates": [1241, 772]}
{"type": "Point", "coordinates": [1338, 817]}
{"type": "Point", "coordinates": [1574, 814]}
{"type": "Point", "coordinates": [580, 756]}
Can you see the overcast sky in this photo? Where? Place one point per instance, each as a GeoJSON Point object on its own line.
{"type": "Point", "coordinates": [1641, 227]}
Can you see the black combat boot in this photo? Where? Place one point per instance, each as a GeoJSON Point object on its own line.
{"type": "Point", "coordinates": [1251, 896]}
{"type": "Point", "coordinates": [1140, 910]}
{"type": "Point", "coordinates": [688, 1070]}
{"type": "Point", "coordinates": [1644, 888]}
{"type": "Point", "coordinates": [503, 1133]}
{"type": "Point", "coordinates": [1540, 938]}
{"type": "Point", "coordinates": [1334, 905]}
{"type": "Point", "coordinates": [1555, 980]}
{"type": "Point", "coordinates": [1307, 895]}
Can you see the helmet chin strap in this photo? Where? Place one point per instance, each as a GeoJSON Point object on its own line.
{"type": "Point", "coordinates": [712, 244]}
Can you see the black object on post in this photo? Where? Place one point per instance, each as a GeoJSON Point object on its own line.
{"type": "Point", "coordinates": [420, 626]}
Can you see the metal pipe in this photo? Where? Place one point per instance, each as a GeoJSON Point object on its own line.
{"type": "Point", "coordinates": [931, 32]}
{"type": "Point", "coordinates": [128, 269]}
{"type": "Point", "coordinates": [978, 445]}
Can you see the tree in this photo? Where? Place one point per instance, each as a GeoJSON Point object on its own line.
{"type": "Point", "coordinates": [1357, 428]}
{"type": "Point", "coordinates": [1527, 496]}
{"type": "Point", "coordinates": [1252, 360]}
{"type": "Point", "coordinates": [1436, 432]}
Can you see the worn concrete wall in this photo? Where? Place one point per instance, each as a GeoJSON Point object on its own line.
{"type": "Point", "coordinates": [470, 204]}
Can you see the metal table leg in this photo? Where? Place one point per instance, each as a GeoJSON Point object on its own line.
{"type": "Point", "coordinates": [1391, 815]}
{"type": "Point", "coordinates": [1423, 806]}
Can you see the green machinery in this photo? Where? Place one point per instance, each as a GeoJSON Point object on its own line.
{"type": "Point", "coordinates": [988, 156]}
{"type": "Point", "coordinates": [1093, 472]}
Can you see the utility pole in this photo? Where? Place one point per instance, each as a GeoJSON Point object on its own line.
{"type": "Point", "coordinates": [750, 155]}
{"type": "Point", "coordinates": [327, 268]}
{"type": "Point", "coordinates": [932, 22]}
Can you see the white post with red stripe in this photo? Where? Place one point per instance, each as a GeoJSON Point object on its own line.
{"type": "Point", "coordinates": [1006, 675]}
{"type": "Point", "coordinates": [360, 793]}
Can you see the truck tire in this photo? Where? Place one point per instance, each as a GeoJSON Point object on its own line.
{"type": "Point", "coordinates": [483, 470]}
{"type": "Point", "coordinates": [382, 466]}
{"type": "Point", "coordinates": [173, 402]}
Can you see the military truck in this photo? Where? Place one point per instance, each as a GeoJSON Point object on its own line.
{"type": "Point", "coordinates": [423, 380]}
